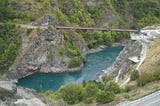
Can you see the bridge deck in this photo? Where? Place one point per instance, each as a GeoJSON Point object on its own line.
{"type": "Point", "coordinates": [94, 28]}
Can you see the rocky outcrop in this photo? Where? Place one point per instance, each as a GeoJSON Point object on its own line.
{"type": "Point", "coordinates": [10, 95]}
{"type": "Point", "coordinates": [40, 52]}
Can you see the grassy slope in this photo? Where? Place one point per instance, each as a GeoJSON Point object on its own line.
{"type": "Point", "coordinates": [150, 64]}
{"type": "Point", "coordinates": [152, 61]}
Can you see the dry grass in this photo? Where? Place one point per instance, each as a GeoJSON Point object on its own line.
{"type": "Point", "coordinates": [152, 62]}
{"type": "Point", "coordinates": [138, 92]}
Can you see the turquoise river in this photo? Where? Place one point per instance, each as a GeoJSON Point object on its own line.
{"type": "Point", "coordinates": [93, 66]}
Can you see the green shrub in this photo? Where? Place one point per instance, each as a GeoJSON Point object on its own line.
{"type": "Point", "coordinates": [94, 11]}
{"type": "Point", "coordinates": [72, 93]}
{"type": "Point", "coordinates": [89, 100]}
{"type": "Point", "coordinates": [106, 78]}
{"type": "Point", "coordinates": [29, 31]}
{"type": "Point", "coordinates": [134, 75]}
{"type": "Point", "coordinates": [72, 52]}
{"type": "Point", "coordinates": [113, 87]}
{"type": "Point", "coordinates": [9, 45]}
{"type": "Point", "coordinates": [91, 89]}
{"type": "Point", "coordinates": [70, 49]}
{"type": "Point", "coordinates": [127, 88]}
{"type": "Point", "coordinates": [75, 62]}
{"type": "Point", "coordinates": [105, 96]}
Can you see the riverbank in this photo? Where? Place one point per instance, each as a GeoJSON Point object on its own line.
{"type": "Point", "coordinates": [122, 62]}
{"type": "Point", "coordinates": [148, 63]}
{"type": "Point", "coordinates": [93, 66]}
{"type": "Point", "coordinates": [62, 70]}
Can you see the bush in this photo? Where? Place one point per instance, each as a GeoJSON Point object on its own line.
{"type": "Point", "coordinates": [114, 87]}
{"type": "Point", "coordinates": [75, 62]}
{"type": "Point", "coordinates": [49, 94]}
{"type": "Point", "coordinates": [134, 75]}
{"type": "Point", "coordinates": [105, 96]}
{"type": "Point", "coordinates": [29, 31]}
{"type": "Point", "coordinates": [72, 52]}
{"type": "Point", "coordinates": [106, 78]}
{"type": "Point", "coordinates": [9, 46]}
{"type": "Point", "coordinates": [89, 100]}
{"type": "Point", "coordinates": [72, 93]}
{"type": "Point", "coordinates": [127, 88]}
{"type": "Point", "coordinates": [91, 89]}
{"type": "Point", "coordinates": [70, 49]}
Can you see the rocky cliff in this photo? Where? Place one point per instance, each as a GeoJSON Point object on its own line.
{"type": "Point", "coordinates": [40, 51]}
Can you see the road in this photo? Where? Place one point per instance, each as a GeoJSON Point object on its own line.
{"type": "Point", "coordinates": [149, 100]}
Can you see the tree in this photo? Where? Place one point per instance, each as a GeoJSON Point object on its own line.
{"type": "Point", "coordinates": [113, 87]}
{"type": "Point", "coordinates": [75, 62]}
{"type": "Point", "coordinates": [91, 89]}
{"type": "Point", "coordinates": [134, 75]}
{"type": "Point", "coordinates": [106, 78]}
{"type": "Point", "coordinates": [72, 93]}
{"type": "Point", "coordinates": [105, 96]}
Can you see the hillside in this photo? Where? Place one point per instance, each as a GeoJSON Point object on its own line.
{"type": "Point", "coordinates": [153, 58]}
{"type": "Point", "coordinates": [30, 43]}
{"type": "Point", "coordinates": [104, 13]}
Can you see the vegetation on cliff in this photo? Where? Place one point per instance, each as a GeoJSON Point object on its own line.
{"type": "Point", "coordinates": [123, 13]}
{"type": "Point", "coordinates": [9, 45]}
{"type": "Point", "coordinates": [133, 13]}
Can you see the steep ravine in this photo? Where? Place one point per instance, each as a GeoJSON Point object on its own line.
{"type": "Point", "coordinates": [41, 47]}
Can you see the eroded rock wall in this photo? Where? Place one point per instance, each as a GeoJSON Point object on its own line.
{"type": "Point", "coordinates": [40, 51]}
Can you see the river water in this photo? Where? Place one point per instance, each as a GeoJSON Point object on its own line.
{"type": "Point", "coordinates": [93, 66]}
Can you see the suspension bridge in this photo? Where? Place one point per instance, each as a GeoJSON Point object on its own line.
{"type": "Point", "coordinates": [97, 29]}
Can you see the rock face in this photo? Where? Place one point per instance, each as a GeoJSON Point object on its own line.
{"type": "Point", "coordinates": [40, 51]}
{"type": "Point", "coordinates": [11, 95]}
{"type": "Point", "coordinates": [7, 89]}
